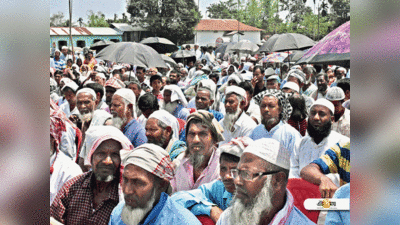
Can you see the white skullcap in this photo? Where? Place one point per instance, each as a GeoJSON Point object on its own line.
{"type": "Point", "coordinates": [253, 59]}
{"type": "Point", "coordinates": [242, 58]}
{"type": "Point", "coordinates": [168, 119]}
{"type": "Point", "coordinates": [236, 146]}
{"type": "Point", "coordinates": [342, 68]}
{"type": "Point", "coordinates": [271, 151]}
{"type": "Point", "coordinates": [296, 67]}
{"type": "Point", "coordinates": [116, 67]}
{"type": "Point", "coordinates": [269, 71]}
{"type": "Point", "coordinates": [206, 68]}
{"type": "Point", "coordinates": [129, 96]}
{"type": "Point", "coordinates": [210, 85]}
{"type": "Point", "coordinates": [180, 65]}
{"type": "Point", "coordinates": [235, 89]}
{"type": "Point", "coordinates": [234, 77]}
{"type": "Point", "coordinates": [297, 74]}
{"type": "Point", "coordinates": [71, 84]}
{"type": "Point", "coordinates": [151, 158]}
{"type": "Point", "coordinates": [176, 94]}
{"type": "Point", "coordinates": [198, 73]}
{"type": "Point", "coordinates": [274, 77]}
{"type": "Point", "coordinates": [64, 47]}
{"type": "Point", "coordinates": [101, 75]}
{"type": "Point", "coordinates": [335, 94]}
{"type": "Point", "coordinates": [65, 80]}
{"type": "Point", "coordinates": [326, 103]}
{"type": "Point", "coordinates": [292, 85]}
{"type": "Point", "coordinates": [89, 91]}
{"type": "Point", "coordinates": [247, 75]}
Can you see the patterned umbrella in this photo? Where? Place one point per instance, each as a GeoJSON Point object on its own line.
{"type": "Point", "coordinates": [275, 57]}
{"type": "Point", "coordinates": [334, 48]}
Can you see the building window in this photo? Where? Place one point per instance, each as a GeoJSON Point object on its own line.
{"type": "Point", "coordinates": [114, 40]}
{"type": "Point", "coordinates": [80, 44]}
{"type": "Point", "coordinates": [61, 44]}
{"type": "Point", "coordinates": [96, 40]}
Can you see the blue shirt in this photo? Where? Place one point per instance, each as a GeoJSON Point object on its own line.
{"type": "Point", "coordinates": [59, 65]}
{"type": "Point", "coordinates": [217, 115]}
{"type": "Point", "coordinates": [135, 132]}
{"type": "Point", "coordinates": [165, 212]}
{"type": "Point", "coordinates": [181, 112]}
{"type": "Point", "coordinates": [203, 198]}
{"type": "Point", "coordinates": [339, 216]}
{"type": "Point", "coordinates": [284, 133]}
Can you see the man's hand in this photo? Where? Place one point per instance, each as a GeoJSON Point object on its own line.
{"type": "Point", "coordinates": [327, 187]}
{"type": "Point", "coordinates": [215, 213]}
{"type": "Point", "coordinates": [254, 81]}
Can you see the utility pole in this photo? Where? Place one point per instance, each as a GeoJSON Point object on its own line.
{"type": "Point", "coordinates": [318, 20]}
{"type": "Point", "coordinates": [70, 33]}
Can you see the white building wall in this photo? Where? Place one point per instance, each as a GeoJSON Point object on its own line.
{"type": "Point", "coordinates": [205, 37]}
{"type": "Point", "coordinates": [253, 36]}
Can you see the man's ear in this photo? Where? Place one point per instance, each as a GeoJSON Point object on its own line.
{"type": "Point", "coordinates": [168, 130]}
{"type": "Point", "coordinates": [280, 181]}
{"type": "Point", "coordinates": [212, 101]}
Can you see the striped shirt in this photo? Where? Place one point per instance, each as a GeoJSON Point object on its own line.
{"type": "Point", "coordinates": [336, 160]}
{"type": "Point", "coordinates": [59, 64]}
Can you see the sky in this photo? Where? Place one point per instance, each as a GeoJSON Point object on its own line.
{"type": "Point", "coordinates": [80, 8]}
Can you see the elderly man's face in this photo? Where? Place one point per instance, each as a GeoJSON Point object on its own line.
{"type": "Point", "coordinates": [203, 100]}
{"type": "Point", "coordinates": [106, 160]}
{"type": "Point", "coordinates": [199, 140]}
{"type": "Point", "coordinates": [156, 134]}
{"type": "Point", "coordinates": [183, 73]}
{"type": "Point", "coordinates": [85, 103]}
{"type": "Point", "coordinates": [135, 89]}
{"type": "Point", "coordinates": [139, 186]}
{"type": "Point", "coordinates": [64, 51]}
{"type": "Point", "coordinates": [272, 84]}
{"type": "Point", "coordinates": [270, 110]}
{"type": "Point", "coordinates": [225, 173]}
{"type": "Point", "coordinates": [118, 107]}
{"type": "Point", "coordinates": [322, 84]}
{"type": "Point", "coordinates": [232, 103]}
{"type": "Point", "coordinates": [109, 94]}
{"type": "Point", "coordinates": [99, 80]}
{"type": "Point", "coordinates": [167, 96]}
{"type": "Point", "coordinates": [69, 96]}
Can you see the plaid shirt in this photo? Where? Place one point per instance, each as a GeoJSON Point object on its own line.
{"type": "Point", "coordinates": [74, 202]}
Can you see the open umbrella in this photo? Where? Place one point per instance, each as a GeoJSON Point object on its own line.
{"type": "Point", "coordinates": [161, 45]}
{"type": "Point", "coordinates": [224, 47]}
{"type": "Point", "coordinates": [244, 46]}
{"type": "Point", "coordinates": [169, 60]}
{"type": "Point", "coordinates": [276, 57]}
{"type": "Point", "coordinates": [334, 48]}
{"type": "Point", "coordinates": [183, 56]}
{"type": "Point", "coordinates": [286, 42]}
{"type": "Point", "coordinates": [98, 46]}
{"type": "Point", "coordinates": [295, 56]}
{"type": "Point", "coordinates": [132, 53]}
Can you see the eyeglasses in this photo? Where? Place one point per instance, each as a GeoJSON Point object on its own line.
{"type": "Point", "coordinates": [248, 176]}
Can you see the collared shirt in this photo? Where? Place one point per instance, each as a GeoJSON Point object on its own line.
{"type": "Point", "coordinates": [243, 126]}
{"type": "Point", "coordinates": [336, 160]}
{"type": "Point", "coordinates": [165, 211]}
{"type": "Point", "coordinates": [135, 132]}
{"type": "Point", "coordinates": [310, 90]}
{"type": "Point", "coordinates": [74, 202]}
{"type": "Point", "coordinates": [67, 145]}
{"type": "Point", "coordinates": [308, 151]}
{"type": "Point", "coordinates": [339, 216]}
{"type": "Point", "coordinates": [64, 170]}
{"type": "Point", "coordinates": [181, 112]}
{"type": "Point", "coordinates": [202, 199]}
{"type": "Point", "coordinates": [282, 132]}
{"type": "Point", "coordinates": [65, 108]}
{"type": "Point", "coordinates": [342, 126]}
{"type": "Point", "coordinates": [59, 64]}
{"type": "Point", "coordinates": [289, 214]}
{"type": "Point", "coordinates": [254, 111]}
{"type": "Point", "coordinates": [183, 179]}
{"type": "Point", "coordinates": [102, 105]}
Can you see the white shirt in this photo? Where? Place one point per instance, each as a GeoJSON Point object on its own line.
{"type": "Point", "coordinates": [64, 169]}
{"type": "Point", "coordinates": [198, 54]}
{"type": "Point", "coordinates": [67, 145]}
{"type": "Point", "coordinates": [142, 120]}
{"type": "Point", "coordinates": [342, 126]}
{"type": "Point", "coordinates": [242, 127]}
{"type": "Point", "coordinates": [254, 111]}
{"type": "Point", "coordinates": [309, 151]}
{"type": "Point", "coordinates": [65, 108]}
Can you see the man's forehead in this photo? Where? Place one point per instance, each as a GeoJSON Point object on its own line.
{"type": "Point", "coordinates": [84, 95]}
{"type": "Point", "coordinates": [203, 93]}
{"type": "Point", "coordinates": [251, 161]}
{"type": "Point", "coordinates": [198, 126]}
{"type": "Point", "coordinates": [109, 144]}
{"type": "Point", "coordinates": [319, 108]}
{"type": "Point", "coordinates": [270, 98]}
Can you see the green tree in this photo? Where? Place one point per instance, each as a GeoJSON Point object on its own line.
{"type": "Point", "coordinates": [171, 19]}
{"type": "Point", "coordinates": [97, 19]}
{"type": "Point", "coordinates": [223, 10]}
{"type": "Point", "coordinates": [57, 20]}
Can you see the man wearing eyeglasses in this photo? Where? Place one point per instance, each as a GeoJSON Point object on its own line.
{"type": "Point", "coordinates": [261, 196]}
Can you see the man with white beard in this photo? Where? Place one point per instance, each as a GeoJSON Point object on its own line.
{"type": "Point", "coordinates": [309, 88]}
{"type": "Point", "coordinates": [175, 102]}
{"type": "Point", "coordinates": [235, 122]}
{"type": "Point", "coordinates": [145, 181]}
{"type": "Point", "coordinates": [261, 195]}
{"type": "Point", "coordinates": [124, 116]}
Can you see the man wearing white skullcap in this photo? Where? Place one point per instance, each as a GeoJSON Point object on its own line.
{"type": "Point", "coordinates": [148, 203]}
{"type": "Point", "coordinates": [124, 116]}
{"type": "Point", "coordinates": [206, 98]}
{"type": "Point", "coordinates": [235, 122]}
{"type": "Point", "coordinates": [290, 87]}
{"type": "Point", "coordinates": [341, 124]}
{"type": "Point", "coordinates": [100, 78]}
{"type": "Point", "coordinates": [212, 198]}
{"type": "Point", "coordinates": [320, 137]}
{"type": "Point", "coordinates": [69, 92]}
{"type": "Point", "coordinates": [162, 129]}
{"type": "Point", "coordinates": [175, 102]}
{"type": "Point", "coordinates": [261, 196]}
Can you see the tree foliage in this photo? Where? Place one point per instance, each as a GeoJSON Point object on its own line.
{"type": "Point", "coordinates": [171, 19]}
{"type": "Point", "coordinates": [57, 20]}
{"type": "Point", "coordinates": [97, 19]}
{"type": "Point", "coordinates": [223, 10]}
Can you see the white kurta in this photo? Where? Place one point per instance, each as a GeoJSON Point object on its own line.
{"type": "Point", "coordinates": [65, 108]}
{"type": "Point", "coordinates": [342, 126]}
{"type": "Point", "coordinates": [254, 111]}
{"type": "Point", "coordinates": [242, 127]}
{"type": "Point", "coordinates": [64, 169]}
{"type": "Point", "coordinates": [67, 145]}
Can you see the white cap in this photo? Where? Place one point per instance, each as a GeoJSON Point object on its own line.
{"type": "Point", "coordinates": [236, 146]}
{"type": "Point", "coordinates": [298, 74]}
{"type": "Point", "coordinates": [129, 96]}
{"type": "Point", "coordinates": [335, 94]}
{"type": "Point", "coordinates": [292, 85]}
{"type": "Point", "coordinates": [101, 75]}
{"type": "Point", "coordinates": [234, 77]}
{"type": "Point", "coordinates": [271, 151]}
{"type": "Point", "coordinates": [274, 77]}
{"type": "Point", "coordinates": [89, 91]}
{"type": "Point", "coordinates": [235, 89]}
{"type": "Point", "coordinates": [325, 103]}
{"type": "Point", "coordinates": [168, 119]}
{"type": "Point", "coordinates": [176, 93]}
{"type": "Point", "coordinates": [71, 85]}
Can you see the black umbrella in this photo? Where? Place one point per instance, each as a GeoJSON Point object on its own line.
{"type": "Point", "coordinates": [184, 56]}
{"type": "Point", "coordinates": [98, 46]}
{"type": "Point", "coordinates": [161, 45]}
{"type": "Point", "coordinates": [244, 46]}
{"type": "Point", "coordinates": [169, 60]}
{"type": "Point", "coordinates": [296, 55]}
{"type": "Point", "coordinates": [286, 42]}
{"type": "Point", "coordinates": [132, 53]}
{"type": "Point", "coordinates": [224, 47]}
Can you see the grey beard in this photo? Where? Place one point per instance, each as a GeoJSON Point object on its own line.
{"type": "Point", "coordinates": [231, 118]}
{"type": "Point", "coordinates": [239, 213]}
{"type": "Point", "coordinates": [104, 179]}
{"type": "Point", "coordinates": [197, 159]}
{"type": "Point", "coordinates": [118, 122]}
{"type": "Point", "coordinates": [133, 216]}
{"type": "Point", "coordinates": [270, 121]}
{"type": "Point", "coordinates": [170, 106]}
{"type": "Point", "coordinates": [86, 117]}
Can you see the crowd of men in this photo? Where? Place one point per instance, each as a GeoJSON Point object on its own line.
{"type": "Point", "coordinates": [214, 141]}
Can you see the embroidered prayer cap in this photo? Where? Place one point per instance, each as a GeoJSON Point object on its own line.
{"type": "Point", "coordinates": [234, 77]}
{"type": "Point", "coordinates": [207, 119]}
{"type": "Point", "coordinates": [176, 93]}
{"type": "Point", "coordinates": [271, 151]}
{"type": "Point", "coordinates": [96, 135]}
{"type": "Point", "coordinates": [168, 119]}
{"type": "Point", "coordinates": [335, 94]}
{"type": "Point", "coordinates": [115, 83]}
{"type": "Point", "coordinates": [89, 91]}
{"type": "Point", "coordinates": [236, 146]}
{"type": "Point", "coordinates": [297, 74]}
{"type": "Point", "coordinates": [129, 96]}
{"type": "Point", "coordinates": [292, 85]}
{"type": "Point", "coordinates": [282, 97]}
{"type": "Point", "coordinates": [236, 90]}
{"type": "Point", "coordinates": [70, 84]}
{"type": "Point", "coordinates": [325, 103]}
{"type": "Point", "coordinates": [151, 158]}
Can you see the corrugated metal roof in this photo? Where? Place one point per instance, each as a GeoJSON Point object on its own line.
{"type": "Point", "coordinates": [123, 27]}
{"type": "Point", "coordinates": [83, 31]}
{"type": "Point", "coordinates": [103, 31]}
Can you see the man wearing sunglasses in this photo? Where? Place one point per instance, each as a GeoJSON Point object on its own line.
{"type": "Point", "coordinates": [261, 196]}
